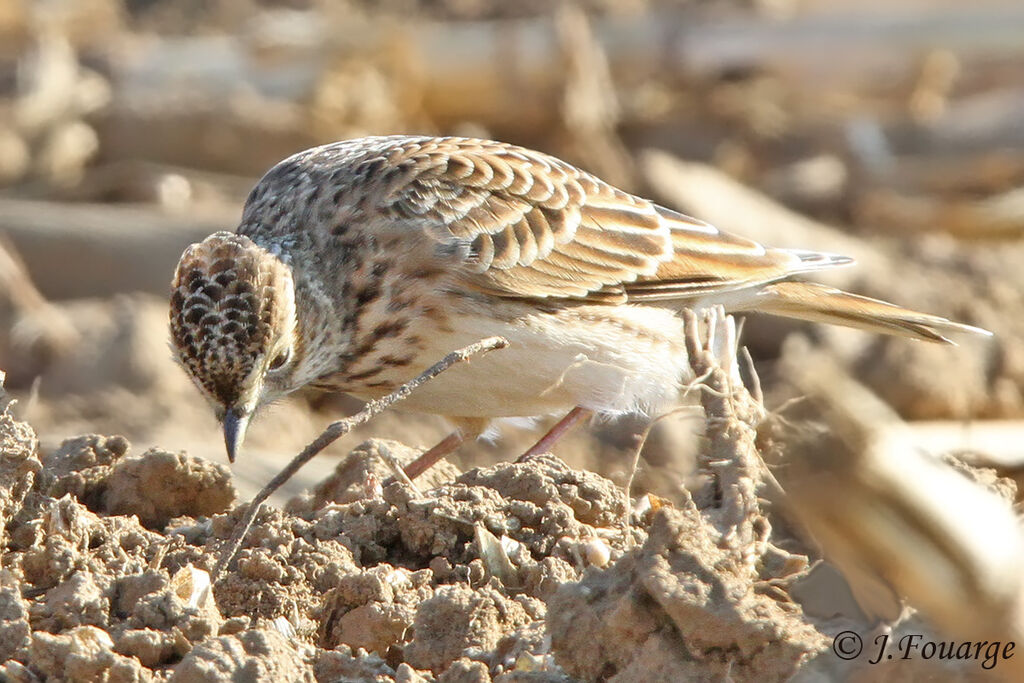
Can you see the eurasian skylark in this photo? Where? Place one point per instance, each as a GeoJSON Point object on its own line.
{"type": "Point", "coordinates": [358, 264]}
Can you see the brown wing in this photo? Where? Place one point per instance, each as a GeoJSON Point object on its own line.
{"type": "Point", "coordinates": [537, 227]}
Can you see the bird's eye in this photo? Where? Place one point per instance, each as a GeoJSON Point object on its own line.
{"type": "Point", "coordinates": [279, 360]}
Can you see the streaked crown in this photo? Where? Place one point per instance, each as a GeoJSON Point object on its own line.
{"type": "Point", "coordinates": [231, 301]}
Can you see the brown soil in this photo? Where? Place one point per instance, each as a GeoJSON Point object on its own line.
{"type": "Point", "coordinates": [365, 579]}
{"type": "Point", "coordinates": [518, 572]}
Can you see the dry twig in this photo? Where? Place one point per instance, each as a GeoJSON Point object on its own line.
{"type": "Point", "coordinates": [337, 429]}
{"type": "Point", "coordinates": [899, 523]}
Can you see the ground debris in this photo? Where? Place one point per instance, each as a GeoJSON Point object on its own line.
{"type": "Point", "coordinates": [515, 572]}
{"type": "Point", "coordinates": [98, 471]}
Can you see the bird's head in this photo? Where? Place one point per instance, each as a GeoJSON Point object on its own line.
{"type": "Point", "coordinates": [233, 327]}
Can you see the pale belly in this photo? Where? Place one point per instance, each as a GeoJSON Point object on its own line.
{"type": "Point", "coordinates": [611, 360]}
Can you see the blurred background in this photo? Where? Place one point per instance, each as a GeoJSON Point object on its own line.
{"type": "Point", "coordinates": [890, 131]}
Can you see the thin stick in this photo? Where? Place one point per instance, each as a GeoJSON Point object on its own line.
{"type": "Point", "coordinates": [755, 380]}
{"type": "Point", "coordinates": [337, 429]}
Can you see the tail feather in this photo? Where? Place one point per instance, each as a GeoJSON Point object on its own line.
{"type": "Point", "coordinates": [818, 260]}
{"type": "Point", "coordinates": [819, 303]}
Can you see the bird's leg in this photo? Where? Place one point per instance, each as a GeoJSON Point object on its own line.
{"type": "Point", "coordinates": [561, 428]}
{"type": "Point", "coordinates": [433, 455]}
{"type": "Point", "coordinates": [466, 429]}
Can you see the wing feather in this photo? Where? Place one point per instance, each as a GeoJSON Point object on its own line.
{"type": "Point", "coordinates": [539, 228]}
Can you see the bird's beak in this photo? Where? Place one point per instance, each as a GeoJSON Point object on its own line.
{"type": "Point", "coordinates": [235, 424]}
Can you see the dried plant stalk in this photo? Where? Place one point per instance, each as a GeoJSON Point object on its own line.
{"type": "Point", "coordinates": [729, 501]}
{"type": "Point", "coordinates": [901, 523]}
{"type": "Point", "coordinates": [337, 429]}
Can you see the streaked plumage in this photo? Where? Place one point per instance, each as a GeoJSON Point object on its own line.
{"type": "Point", "coordinates": [387, 252]}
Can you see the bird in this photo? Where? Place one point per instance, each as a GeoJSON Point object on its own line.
{"type": "Point", "coordinates": [358, 264]}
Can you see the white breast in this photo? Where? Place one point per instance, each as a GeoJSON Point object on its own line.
{"type": "Point", "coordinates": [611, 360]}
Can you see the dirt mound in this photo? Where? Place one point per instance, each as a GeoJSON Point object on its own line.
{"type": "Point", "coordinates": [494, 574]}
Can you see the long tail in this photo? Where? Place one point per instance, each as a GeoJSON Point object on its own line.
{"type": "Point", "coordinates": [819, 303]}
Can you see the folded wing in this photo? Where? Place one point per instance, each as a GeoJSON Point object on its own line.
{"type": "Point", "coordinates": [535, 227]}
